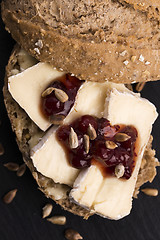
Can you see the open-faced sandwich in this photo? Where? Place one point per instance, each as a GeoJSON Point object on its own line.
{"type": "Point", "coordinates": [87, 143]}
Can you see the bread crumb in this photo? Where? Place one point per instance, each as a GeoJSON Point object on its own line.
{"type": "Point", "coordinates": [126, 62]}
{"type": "Point", "coordinates": [39, 44]}
{"type": "Point", "coordinates": [37, 50]}
{"type": "Point", "coordinates": [123, 53]}
{"type": "Point", "coordinates": [141, 58]}
{"type": "Point", "coordinates": [133, 58]}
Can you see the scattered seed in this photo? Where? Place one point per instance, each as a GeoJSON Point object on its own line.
{"type": "Point", "coordinates": [61, 95]}
{"type": "Point", "coordinates": [59, 220]}
{"type": "Point", "coordinates": [21, 170]}
{"type": "Point", "coordinates": [133, 58]}
{"type": "Point", "coordinates": [91, 132]}
{"type": "Point", "coordinates": [71, 234]}
{"type": "Point", "coordinates": [56, 119]}
{"type": "Point", "coordinates": [121, 137]}
{"type": "Point", "coordinates": [1, 149]}
{"type": "Point", "coordinates": [119, 170]}
{"type": "Point", "coordinates": [111, 145]}
{"type": "Point", "coordinates": [11, 166]}
{"type": "Point", "coordinates": [47, 209]}
{"type": "Point", "coordinates": [47, 92]}
{"type": "Point", "coordinates": [86, 143]}
{"type": "Point", "coordinates": [8, 198]}
{"type": "Point", "coordinates": [140, 86]}
{"type": "Point", "coordinates": [150, 191]}
{"type": "Point", "coordinates": [73, 139]}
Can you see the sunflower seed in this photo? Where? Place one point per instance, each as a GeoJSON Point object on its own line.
{"type": "Point", "coordinates": [140, 86]}
{"type": "Point", "coordinates": [73, 139]}
{"type": "Point", "coordinates": [47, 209]}
{"type": "Point", "coordinates": [61, 95]}
{"type": "Point", "coordinates": [56, 119]}
{"type": "Point", "coordinates": [86, 143]}
{"type": "Point", "coordinates": [91, 132]}
{"type": "Point", "coordinates": [47, 92]}
{"type": "Point", "coordinates": [119, 170]}
{"type": "Point", "coordinates": [8, 198]}
{"type": "Point", "coordinates": [111, 145]}
{"type": "Point", "coordinates": [59, 220]}
{"type": "Point", "coordinates": [1, 149]}
{"type": "Point", "coordinates": [71, 234]}
{"type": "Point", "coordinates": [11, 166]}
{"type": "Point", "coordinates": [150, 191]}
{"type": "Point", "coordinates": [121, 137]}
{"type": "Point", "coordinates": [21, 170]}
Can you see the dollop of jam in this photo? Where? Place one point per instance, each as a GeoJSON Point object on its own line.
{"type": "Point", "coordinates": [89, 140]}
{"type": "Point", "coordinates": [53, 107]}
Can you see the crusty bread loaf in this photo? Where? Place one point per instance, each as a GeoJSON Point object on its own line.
{"type": "Point", "coordinates": [26, 130]}
{"type": "Point", "coordinates": [112, 40]}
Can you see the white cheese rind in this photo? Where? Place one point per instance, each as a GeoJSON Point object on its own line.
{"type": "Point", "coordinates": [50, 159]}
{"type": "Point", "coordinates": [90, 100]}
{"type": "Point", "coordinates": [114, 197]}
{"type": "Point", "coordinates": [26, 88]}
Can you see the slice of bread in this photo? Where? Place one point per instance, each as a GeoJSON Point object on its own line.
{"type": "Point", "coordinates": [95, 40]}
{"type": "Point", "coordinates": [26, 132]}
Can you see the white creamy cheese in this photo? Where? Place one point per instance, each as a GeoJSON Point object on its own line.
{"type": "Point", "coordinates": [48, 156]}
{"type": "Point", "coordinates": [26, 88]}
{"type": "Point", "coordinates": [113, 197]}
{"type": "Point", "coordinates": [50, 159]}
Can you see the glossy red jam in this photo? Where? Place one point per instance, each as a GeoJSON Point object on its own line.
{"type": "Point", "coordinates": [105, 157]}
{"type": "Point", "coordinates": [51, 106]}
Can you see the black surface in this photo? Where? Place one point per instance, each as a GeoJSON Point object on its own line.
{"type": "Point", "coordinates": [22, 218]}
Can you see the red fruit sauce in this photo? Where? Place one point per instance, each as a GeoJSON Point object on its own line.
{"type": "Point", "coordinates": [51, 106]}
{"type": "Point", "coordinates": [98, 153]}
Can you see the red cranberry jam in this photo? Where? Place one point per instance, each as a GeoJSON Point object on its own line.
{"type": "Point", "coordinates": [57, 104]}
{"type": "Point", "coordinates": [90, 140]}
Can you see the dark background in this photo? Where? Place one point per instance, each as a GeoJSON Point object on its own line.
{"type": "Point", "coordinates": [22, 218]}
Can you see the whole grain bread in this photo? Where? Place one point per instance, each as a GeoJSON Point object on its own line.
{"type": "Point", "coordinates": [25, 130]}
{"type": "Point", "coordinates": [98, 40]}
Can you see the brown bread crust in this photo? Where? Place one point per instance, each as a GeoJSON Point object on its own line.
{"type": "Point", "coordinates": [97, 40]}
{"type": "Point", "coordinates": [24, 129]}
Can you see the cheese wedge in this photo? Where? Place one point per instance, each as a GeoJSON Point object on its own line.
{"type": "Point", "coordinates": [26, 89]}
{"type": "Point", "coordinates": [50, 159]}
{"type": "Point", "coordinates": [112, 197]}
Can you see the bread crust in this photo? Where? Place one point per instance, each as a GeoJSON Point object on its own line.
{"type": "Point", "coordinates": [94, 52]}
{"type": "Point", "coordinates": [24, 128]}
